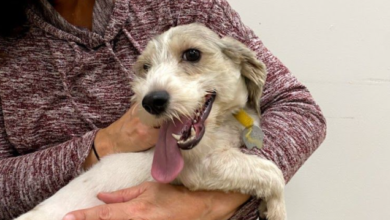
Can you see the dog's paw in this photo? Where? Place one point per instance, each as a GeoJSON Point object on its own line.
{"type": "Point", "coordinates": [273, 209]}
{"type": "Point", "coordinates": [263, 210]}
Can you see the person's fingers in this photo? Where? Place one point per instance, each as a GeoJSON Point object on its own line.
{"type": "Point", "coordinates": [103, 212]}
{"type": "Point", "coordinates": [123, 195]}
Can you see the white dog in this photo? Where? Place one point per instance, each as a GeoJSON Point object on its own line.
{"type": "Point", "coordinates": [191, 83]}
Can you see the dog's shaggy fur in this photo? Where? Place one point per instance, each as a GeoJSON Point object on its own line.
{"type": "Point", "coordinates": [226, 69]}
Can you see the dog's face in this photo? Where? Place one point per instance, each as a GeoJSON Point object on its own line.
{"type": "Point", "coordinates": [188, 78]}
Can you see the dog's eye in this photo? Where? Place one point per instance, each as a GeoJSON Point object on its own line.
{"type": "Point", "coordinates": [192, 55]}
{"type": "Point", "coordinates": [146, 67]}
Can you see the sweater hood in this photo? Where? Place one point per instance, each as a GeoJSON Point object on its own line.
{"type": "Point", "coordinates": [112, 16]}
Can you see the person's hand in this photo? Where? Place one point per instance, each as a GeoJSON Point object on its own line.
{"type": "Point", "coordinates": [127, 134]}
{"type": "Point", "coordinates": [156, 201]}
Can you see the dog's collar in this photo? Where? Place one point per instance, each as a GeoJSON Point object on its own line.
{"type": "Point", "coordinates": [252, 135]}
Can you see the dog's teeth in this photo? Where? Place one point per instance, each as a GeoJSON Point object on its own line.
{"type": "Point", "coordinates": [176, 136]}
{"type": "Point", "coordinates": [186, 141]}
{"type": "Point", "coordinates": [193, 132]}
{"type": "Point", "coordinates": [195, 121]}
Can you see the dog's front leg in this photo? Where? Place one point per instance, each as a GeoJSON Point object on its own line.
{"type": "Point", "coordinates": [231, 170]}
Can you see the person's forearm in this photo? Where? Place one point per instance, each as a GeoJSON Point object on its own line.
{"type": "Point", "coordinates": [27, 180]}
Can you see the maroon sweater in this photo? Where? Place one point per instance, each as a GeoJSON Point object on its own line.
{"type": "Point", "coordinates": [59, 84]}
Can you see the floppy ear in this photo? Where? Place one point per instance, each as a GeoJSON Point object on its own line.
{"type": "Point", "coordinates": [252, 69]}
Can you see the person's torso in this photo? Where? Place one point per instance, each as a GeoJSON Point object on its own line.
{"type": "Point", "coordinates": [53, 88]}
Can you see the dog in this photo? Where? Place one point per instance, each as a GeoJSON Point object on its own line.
{"type": "Point", "coordinates": [191, 83]}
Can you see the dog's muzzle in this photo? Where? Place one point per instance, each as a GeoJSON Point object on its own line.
{"type": "Point", "coordinates": [182, 133]}
{"type": "Point", "coordinates": [156, 102]}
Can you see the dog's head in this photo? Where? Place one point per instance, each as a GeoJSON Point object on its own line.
{"type": "Point", "coordinates": [189, 77]}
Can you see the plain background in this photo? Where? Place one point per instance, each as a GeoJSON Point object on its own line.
{"type": "Point", "coordinates": [340, 49]}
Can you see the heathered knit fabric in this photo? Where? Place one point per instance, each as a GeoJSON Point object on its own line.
{"type": "Point", "coordinates": [59, 84]}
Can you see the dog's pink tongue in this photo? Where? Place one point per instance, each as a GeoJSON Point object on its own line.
{"type": "Point", "coordinates": [167, 161]}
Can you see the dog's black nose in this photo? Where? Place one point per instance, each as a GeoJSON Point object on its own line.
{"type": "Point", "coordinates": [156, 102]}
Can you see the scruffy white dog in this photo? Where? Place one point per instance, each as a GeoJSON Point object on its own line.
{"type": "Point", "coordinates": [191, 83]}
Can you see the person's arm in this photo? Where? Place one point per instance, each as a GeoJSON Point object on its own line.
{"type": "Point", "coordinates": [26, 180]}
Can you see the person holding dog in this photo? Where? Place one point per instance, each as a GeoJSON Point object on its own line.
{"type": "Point", "coordinates": [65, 71]}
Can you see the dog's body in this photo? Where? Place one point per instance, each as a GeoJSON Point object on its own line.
{"type": "Point", "coordinates": [200, 81]}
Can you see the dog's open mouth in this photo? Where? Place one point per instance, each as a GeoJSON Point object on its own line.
{"type": "Point", "coordinates": [193, 128]}
{"type": "Point", "coordinates": [185, 134]}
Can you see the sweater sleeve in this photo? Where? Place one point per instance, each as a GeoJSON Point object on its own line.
{"type": "Point", "coordinates": [27, 180]}
{"type": "Point", "coordinates": [293, 123]}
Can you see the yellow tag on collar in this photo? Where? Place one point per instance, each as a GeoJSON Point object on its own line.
{"type": "Point", "coordinates": [252, 135]}
{"type": "Point", "coordinates": [244, 118]}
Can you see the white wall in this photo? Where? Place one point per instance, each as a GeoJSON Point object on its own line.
{"type": "Point", "coordinates": [340, 49]}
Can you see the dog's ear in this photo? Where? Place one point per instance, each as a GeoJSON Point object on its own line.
{"type": "Point", "coordinates": [252, 69]}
